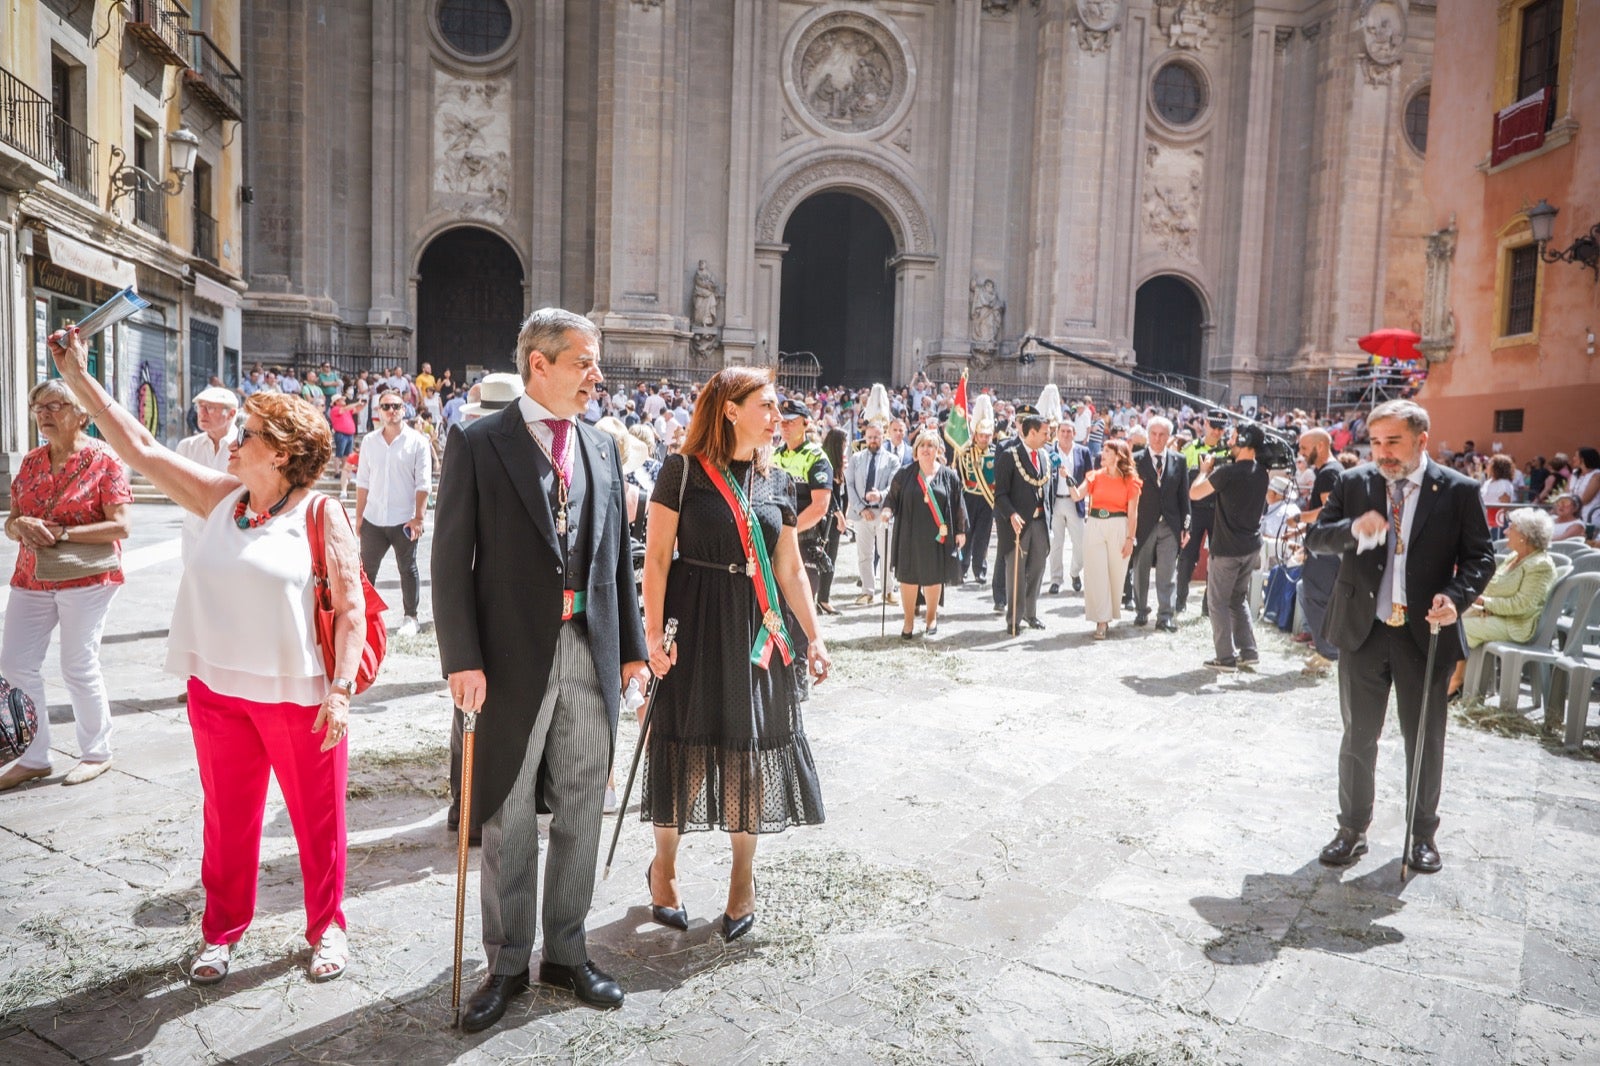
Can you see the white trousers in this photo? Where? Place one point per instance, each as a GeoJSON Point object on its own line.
{"type": "Point", "coordinates": [869, 535]}
{"type": "Point", "coordinates": [1065, 519]}
{"type": "Point", "coordinates": [1104, 568]}
{"type": "Point", "coordinates": [30, 619]}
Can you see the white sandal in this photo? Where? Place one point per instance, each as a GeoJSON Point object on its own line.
{"type": "Point", "coordinates": [214, 957]}
{"type": "Point", "coordinates": [333, 950]}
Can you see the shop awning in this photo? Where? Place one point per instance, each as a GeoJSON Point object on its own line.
{"type": "Point", "coordinates": [91, 262]}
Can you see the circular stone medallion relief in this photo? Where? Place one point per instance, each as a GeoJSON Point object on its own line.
{"type": "Point", "coordinates": [848, 72]}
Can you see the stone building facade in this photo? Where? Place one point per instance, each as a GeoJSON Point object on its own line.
{"type": "Point", "coordinates": [1214, 189]}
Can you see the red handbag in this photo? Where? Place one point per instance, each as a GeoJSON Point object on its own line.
{"type": "Point", "coordinates": [377, 641]}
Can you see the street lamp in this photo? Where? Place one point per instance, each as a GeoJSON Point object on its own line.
{"type": "Point", "coordinates": [1585, 250]}
{"type": "Point", "coordinates": [182, 147]}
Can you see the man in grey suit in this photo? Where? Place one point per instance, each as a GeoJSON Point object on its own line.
{"type": "Point", "coordinates": [538, 626]}
{"type": "Point", "coordinates": [867, 476]}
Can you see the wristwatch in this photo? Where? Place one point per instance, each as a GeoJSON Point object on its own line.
{"type": "Point", "coordinates": [345, 685]}
{"type": "Point", "coordinates": [66, 535]}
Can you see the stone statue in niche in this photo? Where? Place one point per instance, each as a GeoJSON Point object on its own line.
{"type": "Point", "coordinates": [1172, 183]}
{"type": "Point", "coordinates": [703, 309]}
{"type": "Point", "coordinates": [1383, 39]}
{"type": "Point", "coordinates": [1095, 21]}
{"type": "Point", "coordinates": [987, 313]}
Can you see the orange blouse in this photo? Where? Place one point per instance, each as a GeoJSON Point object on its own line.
{"type": "Point", "coordinates": [1107, 492]}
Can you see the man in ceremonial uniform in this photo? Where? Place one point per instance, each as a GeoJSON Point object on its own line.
{"type": "Point", "coordinates": [1414, 552]}
{"type": "Point", "coordinates": [539, 630]}
{"type": "Point", "coordinates": [975, 463]}
{"type": "Point", "coordinates": [1202, 512]}
{"type": "Point", "coordinates": [803, 460]}
{"type": "Point", "coordinates": [1024, 497]}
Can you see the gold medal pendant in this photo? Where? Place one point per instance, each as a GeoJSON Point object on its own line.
{"type": "Point", "coordinates": [773, 621]}
{"type": "Point", "coordinates": [561, 522]}
{"type": "Point", "coordinates": [1399, 546]}
{"type": "Point", "coordinates": [1397, 615]}
{"type": "Point", "coordinates": [751, 569]}
{"type": "Point", "coordinates": [944, 531]}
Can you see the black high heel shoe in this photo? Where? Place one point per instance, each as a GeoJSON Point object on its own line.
{"type": "Point", "coordinates": [676, 917]}
{"type": "Point", "coordinates": [734, 928]}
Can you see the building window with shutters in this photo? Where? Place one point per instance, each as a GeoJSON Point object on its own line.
{"type": "Point", "coordinates": [1522, 291]}
{"type": "Point", "coordinates": [1539, 52]}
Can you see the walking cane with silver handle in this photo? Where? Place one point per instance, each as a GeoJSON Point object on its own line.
{"type": "Point", "coordinates": [1421, 741]}
{"type": "Point", "coordinates": [668, 638]}
{"type": "Point", "coordinates": [469, 735]}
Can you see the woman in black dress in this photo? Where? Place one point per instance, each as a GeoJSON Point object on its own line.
{"type": "Point", "coordinates": [726, 747]}
{"type": "Point", "coordinates": [930, 528]}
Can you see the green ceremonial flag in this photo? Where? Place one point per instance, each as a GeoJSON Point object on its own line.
{"type": "Point", "coordinates": [957, 430]}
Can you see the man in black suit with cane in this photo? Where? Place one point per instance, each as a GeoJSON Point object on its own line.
{"type": "Point", "coordinates": [1414, 552]}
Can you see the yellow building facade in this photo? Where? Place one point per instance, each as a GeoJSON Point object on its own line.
{"type": "Point", "coordinates": [121, 130]}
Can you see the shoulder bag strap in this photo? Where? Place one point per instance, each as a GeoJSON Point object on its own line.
{"type": "Point", "coordinates": [317, 535]}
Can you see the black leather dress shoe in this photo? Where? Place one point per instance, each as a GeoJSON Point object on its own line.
{"type": "Point", "coordinates": [1345, 848]}
{"type": "Point", "coordinates": [999, 607]}
{"type": "Point", "coordinates": [1425, 857]}
{"type": "Point", "coordinates": [1034, 623]}
{"type": "Point", "coordinates": [1055, 587]}
{"type": "Point", "coordinates": [1077, 584]}
{"type": "Point", "coordinates": [488, 1004]}
{"type": "Point", "coordinates": [1169, 626]}
{"type": "Point", "coordinates": [676, 917]}
{"type": "Point", "coordinates": [588, 982]}
{"type": "Point", "coordinates": [1141, 620]}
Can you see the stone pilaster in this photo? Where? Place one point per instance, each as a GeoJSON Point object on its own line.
{"type": "Point", "coordinates": [961, 167]}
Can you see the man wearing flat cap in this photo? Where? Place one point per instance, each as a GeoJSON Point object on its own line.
{"type": "Point", "coordinates": [215, 409]}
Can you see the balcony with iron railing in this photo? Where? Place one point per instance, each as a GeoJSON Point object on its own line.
{"type": "Point", "coordinates": [162, 26]}
{"type": "Point", "coordinates": [149, 204]}
{"type": "Point", "coordinates": [24, 119]}
{"type": "Point", "coordinates": [73, 158]}
{"type": "Point", "coordinates": [213, 78]}
{"type": "Point", "coordinates": [205, 237]}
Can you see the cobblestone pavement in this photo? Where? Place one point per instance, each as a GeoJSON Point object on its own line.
{"type": "Point", "coordinates": [1037, 849]}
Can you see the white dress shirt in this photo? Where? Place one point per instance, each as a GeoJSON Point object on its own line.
{"type": "Point", "coordinates": [392, 474]}
{"type": "Point", "coordinates": [1407, 513]}
{"type": "Point", "coordinates": [534, 414]}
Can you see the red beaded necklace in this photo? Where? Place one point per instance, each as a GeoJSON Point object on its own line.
{"type": "Point", "coordinates": [261, 519]}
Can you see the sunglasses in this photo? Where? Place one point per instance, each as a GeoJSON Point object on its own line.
{"type": "Point", "coordinates": [391, 407]}
{"type": "Point", "coordinates": [246, 434]}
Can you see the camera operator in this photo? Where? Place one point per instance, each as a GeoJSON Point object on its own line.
{"type": "Point", "coordinates": [1201, 511]}
{"type": "Point", "coordinates": [1238, 490]}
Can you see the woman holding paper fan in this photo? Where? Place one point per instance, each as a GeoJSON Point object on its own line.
{"type": "Point", "coordinates": [930, 528]}
{"type": "Point", "coordinates": [260, 698]}
{"type": "Point", "coordinates": [726, 747]}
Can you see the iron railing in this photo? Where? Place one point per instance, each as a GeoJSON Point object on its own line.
{"type": "Point", "coordinates": [74, 158]}
{"type": "Point", "coordinates": [205, 236]}
{"type": "Point", "coordinates": [149, 204]}
{"type": "Point", "coordinates": [162, 27]}
{"type": "Point", "coordinates": [351, 360]}
{"type": "Point", "coordinates": [24, 118]}
{"type": "Point", "coordinates": [214, 78]}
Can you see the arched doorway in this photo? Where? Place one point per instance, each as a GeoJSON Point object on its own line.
{"type": "Point", "coordinates": [469, 302]}
{"type": "Point", "coordinates": [837, 298]}
{"type": "Point", "coordinates": [1167, 317]}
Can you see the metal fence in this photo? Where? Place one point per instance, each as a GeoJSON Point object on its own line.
{"type": "Point", "coordinates": [351, 361]}
{"type": "Point", "coordinates": [214, 78]}
{"type": "Point", "coordinates": [24, 118]}
{"type": "Point", "coordinates": [74, 158]}
{"type": "Point", "coordinates": [205, 236]}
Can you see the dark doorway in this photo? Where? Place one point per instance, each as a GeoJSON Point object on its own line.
{"type": "Point", "coordinates": [1166, 327]}
{"type": "Point", "coordinates": [838, 289]}
{"type": "Point", "coordinates": [469, 303]}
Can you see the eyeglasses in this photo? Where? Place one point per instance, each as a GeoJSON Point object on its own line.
{"type": "Point", "coordinates": [53, 407]}
{"type": "Point", "coordinates": [246, 434]}
{"type": "Point", "coordinates": [392, 406]}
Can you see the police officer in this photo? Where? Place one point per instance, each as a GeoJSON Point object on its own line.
{"type": "Point", "coordinates": [975, 464]}
{"type": "Point", "coordinates": [802, 459]}
{"type": "Point", "coordinates": [1202, 512]}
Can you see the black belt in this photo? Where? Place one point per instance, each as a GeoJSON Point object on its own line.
{"type": "Point", "coordinates": [1101, 512]}
{"type": "Point", "coordinates": [725, 568]}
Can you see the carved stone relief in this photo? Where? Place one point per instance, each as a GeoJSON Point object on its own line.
{"type": "Point", "coordinates": [1438, 320]}
{"type": "Point", "coordinates": [848, 72]}
{"type": "Point", "coordinates": [1383, 39]}
{"type": "Point", "coordinates": [1095, 22]}
{"type": "Point", "coordinates": [1187, 23]}
{"type": "Point", "coordinates": [472, 143]}
{"type": "Point", "coordinates": [786, 128]}
{"type": "Point", "coordinates": [998, 7]}
{"type": "Point", "coordinates": [903, 141]}
{"type": "Point", "coordinates": [648, 4]}
{"type": "Point", "coordinates": [1172, 182]}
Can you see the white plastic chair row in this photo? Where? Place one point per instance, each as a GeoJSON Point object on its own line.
{"type": "Point", "coordinates": [1575, 595]}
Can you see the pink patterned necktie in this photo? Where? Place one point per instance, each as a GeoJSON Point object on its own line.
{"type": "Point", "coordinates": [559, 428]}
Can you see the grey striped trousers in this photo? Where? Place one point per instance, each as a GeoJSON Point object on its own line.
{"type": "Point", "coordinates": [572, 737]}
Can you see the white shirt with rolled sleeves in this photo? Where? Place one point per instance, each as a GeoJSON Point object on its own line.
{"type": "Point", "coordinates": [392, 474]}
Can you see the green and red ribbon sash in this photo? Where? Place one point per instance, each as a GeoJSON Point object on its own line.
{"type": "Point", "coordinates": [772, 631]}
{"type": "Point", "coordinates": [933, 505]}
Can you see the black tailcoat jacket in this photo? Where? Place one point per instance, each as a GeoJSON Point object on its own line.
{"type": "Point", "coordinates": [498, 580]}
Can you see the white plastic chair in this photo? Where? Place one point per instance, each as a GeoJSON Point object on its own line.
{"type": "Point", "coordinates": [1576, 593]}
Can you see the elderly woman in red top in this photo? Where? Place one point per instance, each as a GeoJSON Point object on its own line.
{"type": "Point", "coordinates": [70, 491]}
{"type": "Point", "coordinates": [1112, 493]}
{"type": "Point", "coordinates": [261, 700]}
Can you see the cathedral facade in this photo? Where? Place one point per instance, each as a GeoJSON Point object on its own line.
{"type": "Point", "coordinates": [1224, 191]}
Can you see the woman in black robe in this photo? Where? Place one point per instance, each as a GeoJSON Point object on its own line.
{"type": "Point", "coordinates": [929, 530]}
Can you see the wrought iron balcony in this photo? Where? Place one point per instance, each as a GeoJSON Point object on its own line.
{"type": "Point", "coordinates": [162, 26]}
{"type": "Point", "coordinates": [149, 204]}
{"type": "Point", "coordinates": [213, 78]}
{"type": "Point", "coordinates": [24, 119]}
{"type": "Point", "coordinates": [205, 236]}
{"type": "Point", "coordinates": [74, 158]}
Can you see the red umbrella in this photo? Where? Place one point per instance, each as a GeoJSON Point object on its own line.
{"type": "Point", "coordinates": [1392, 343]}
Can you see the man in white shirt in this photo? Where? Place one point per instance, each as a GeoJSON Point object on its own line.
{"type": "Point", "coordinates": [214, 409]}
{"type": "Point", "coordinates": [392, 486]}
{"type": "Point", "coordinates": [868, 474]}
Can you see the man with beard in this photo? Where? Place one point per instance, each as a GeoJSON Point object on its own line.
{"type": "Point", "coordinates": [1316, 575]}
{"type": "Point", "coordinates": [1414, 552]}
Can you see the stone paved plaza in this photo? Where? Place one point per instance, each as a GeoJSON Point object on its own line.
{"type": "Point", "coordinates": [1037, 849]}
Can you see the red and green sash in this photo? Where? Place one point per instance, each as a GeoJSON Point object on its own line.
{"type": "Point", "coordinates": [933, 506]}
{"type": "Point", "coordinates": [758, 566]}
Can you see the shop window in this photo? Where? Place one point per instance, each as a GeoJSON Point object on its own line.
{"type": "Point", "coordinates": [1522, 292]}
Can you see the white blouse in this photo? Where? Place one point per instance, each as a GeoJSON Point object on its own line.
{"type": "Point", "coordinates": [243, 619]}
